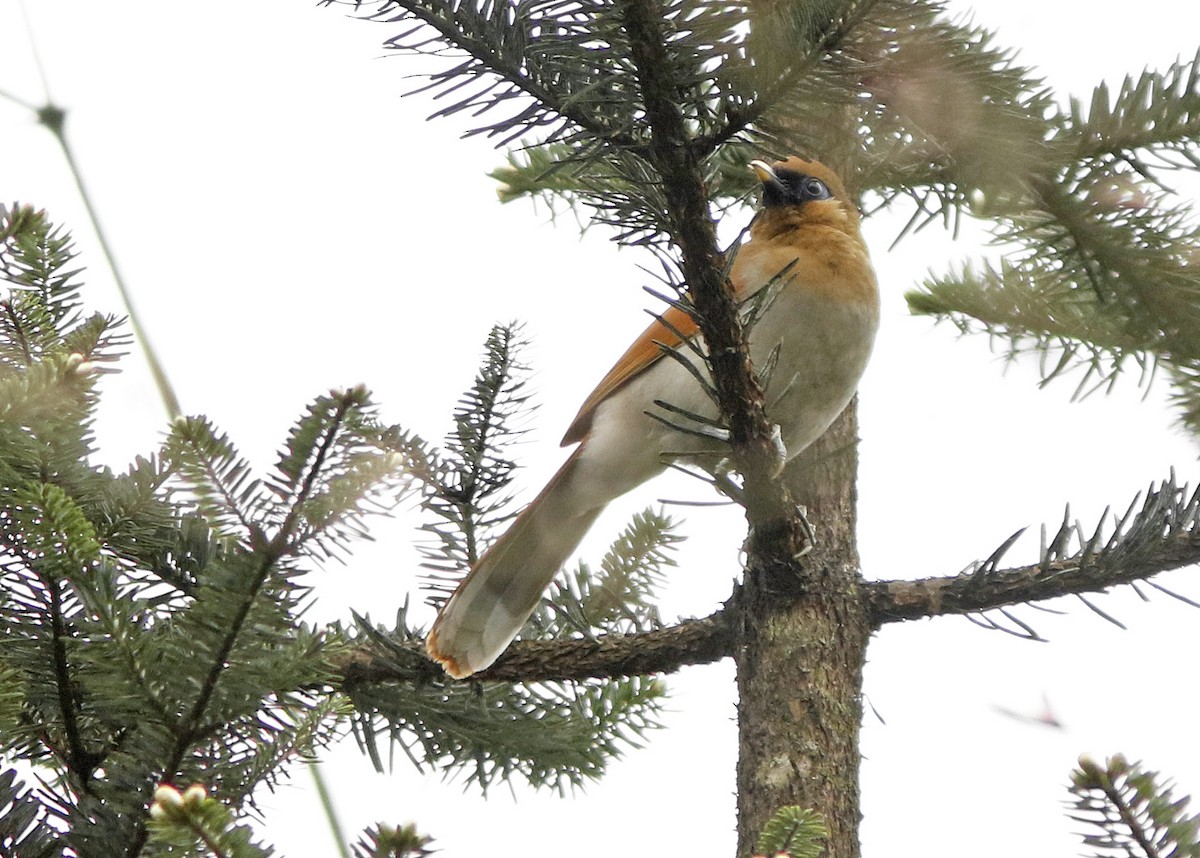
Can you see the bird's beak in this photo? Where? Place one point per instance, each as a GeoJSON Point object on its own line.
{"type": "Point", "coordinates": [766, 174]}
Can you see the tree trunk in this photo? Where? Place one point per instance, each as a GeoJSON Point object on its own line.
{"type": "Point", "coordinates": [803, 638]}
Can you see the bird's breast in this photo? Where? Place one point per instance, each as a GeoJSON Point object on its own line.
{"type": "Point", "coordinates": [822, 347]}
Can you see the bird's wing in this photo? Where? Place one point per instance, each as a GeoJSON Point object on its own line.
{"type": "Point", "coordinates": [756, 263]}
{"type": "Point", "coordinates": [644, 352]}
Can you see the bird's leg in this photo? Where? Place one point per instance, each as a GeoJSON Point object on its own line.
{"type": "Point", "coordinates": [725, 484]}
{"type": "Point", "coordinates": [810, 538]}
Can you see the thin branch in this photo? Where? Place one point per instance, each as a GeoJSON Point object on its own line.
{"type": "Point", "coordinates": [37, 54]}
{"type": "Point", "coordinates": [54, 119]}
{"type": "Point", "coordinates": [78, 760]}
{"type": "Point", "coordinates": [798, 69]}
{"type": "Point", "coordinates": [20, 102]}
{"type": "Point", "coordinates": [191, 727]}
{"type": "Point", "coordinates": [331, 817]}
{"type": "Point", "coordinates": [501, 67]}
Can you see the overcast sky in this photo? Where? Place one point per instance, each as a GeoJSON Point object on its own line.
{"type": "Point", "coordinates": [288, 223]}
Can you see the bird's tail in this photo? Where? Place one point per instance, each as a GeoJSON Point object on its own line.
{"type": "Point", "coordinates": [500, 592]}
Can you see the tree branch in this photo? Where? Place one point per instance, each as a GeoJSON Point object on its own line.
{"type": "Point", "coordinates": [1164, 535]}
{"type": "Point", "coordinates": [689, 642]}
{"type": "Point", "coordinates": [892, 601]}
{"type": "Point", "coordinates": [519, 73]}
{"type": "Point", "coordinates": [769, 509]}
{"type": "Point", "coordinates": [768, 17]}
{"type": "Point", "coordinates": [190, 728]}
{"type": "Point", "coordinates": [79, 762]}
{"type": "Point", "coordinates": [712, 638]}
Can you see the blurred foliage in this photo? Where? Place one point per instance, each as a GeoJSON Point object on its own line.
{"type": "Point", "coordinates": [1130, 811]}
{"type": "Point", "coordinates": [793, 832]}
{"type": "Point", "coordinates": [152, 618]}
{"type": "Point", "coordinates": [189, 821]}
{"type": "Point", "coordinates": [392, 841]}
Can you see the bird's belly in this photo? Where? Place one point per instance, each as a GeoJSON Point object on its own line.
{"type": "Point", "coordinates": [823, 350]}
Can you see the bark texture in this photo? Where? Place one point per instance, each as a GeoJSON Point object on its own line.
{"type": "Point", "coordinates": [803, 631]}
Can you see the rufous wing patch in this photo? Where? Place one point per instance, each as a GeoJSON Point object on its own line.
{"type": "Point", "coordinates": [644, 352]}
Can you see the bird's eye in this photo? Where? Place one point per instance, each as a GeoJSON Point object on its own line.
{"type": "Point", "coordinates": [814, 189]}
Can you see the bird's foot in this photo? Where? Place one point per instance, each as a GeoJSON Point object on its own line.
{"type": "Point", "coordinates": [781, 453]}
{"type": "Point", "coordinates": [810, 538]}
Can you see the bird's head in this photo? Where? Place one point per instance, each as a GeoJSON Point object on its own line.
{"type": "Point", "coordinates": [797, 193]}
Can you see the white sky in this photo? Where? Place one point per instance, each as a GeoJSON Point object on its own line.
{"type": "Point", "coordinates": [288, 223]}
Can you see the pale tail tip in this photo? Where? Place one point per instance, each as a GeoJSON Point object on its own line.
{"type": "Point", "coordinates": [448, 662]}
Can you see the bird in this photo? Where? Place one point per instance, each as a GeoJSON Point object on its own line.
{"type": "Point", "coordinates": [818, 326]}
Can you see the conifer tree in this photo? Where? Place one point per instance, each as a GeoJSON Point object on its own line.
{"type": "Point", "coordinates": [151, 617]}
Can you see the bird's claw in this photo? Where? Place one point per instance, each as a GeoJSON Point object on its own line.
{"type": "Point", "coordinates": [781, 453]}
{"type": "Point", "coordinates": [810, 538]}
